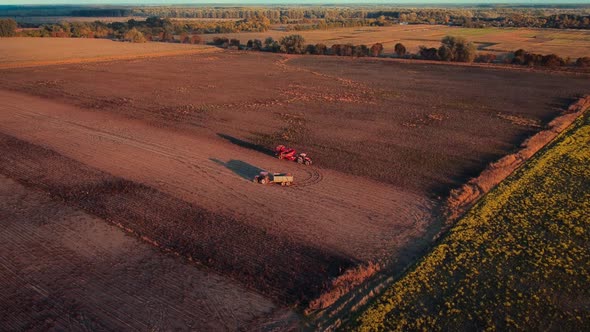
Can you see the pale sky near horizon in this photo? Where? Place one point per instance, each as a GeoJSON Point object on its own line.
{"type": "Point", "coordinates": [271, 2]}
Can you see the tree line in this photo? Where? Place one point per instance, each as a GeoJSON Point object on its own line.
{"type": "Point", "coordinates": [456, 49]}
{"type": "Point", "coordinates": [451, 49]}
{"type": "Point", "coordinates": [153, 28]}
{"type": "Point", "coordinates": [307, 17]}
{"type": "Point", "coordinates": [560, 18]}
{"type": "Point", "coordinates": [7, 27]}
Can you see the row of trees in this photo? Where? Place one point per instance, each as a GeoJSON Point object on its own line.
{"type": "Point", "coordinates": [451, 49]}
{"type": "Point", "coordinates": [522, 17]}
{"type": "Point", "coordinates": [455, 49]}
{"type": "Point", "coordinates": [153, 28]}
{"type": "Point", "coordinates": [312, 16]}
{"type": "Point", "coordinates": [522, 57]}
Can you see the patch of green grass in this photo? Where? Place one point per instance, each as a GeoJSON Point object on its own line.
{"type": "Point", "coordinates": [476, 32]}
{"type": "Point", "coordinates": [519, 260]}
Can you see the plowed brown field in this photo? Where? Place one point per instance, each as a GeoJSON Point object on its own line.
{"type": "Point", "coordinates": [62, 269]}
{"type": "Point", "coordinates": [165, 148]}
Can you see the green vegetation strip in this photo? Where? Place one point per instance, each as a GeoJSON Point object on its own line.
{"type": "Point", "coordinates": [520, 259]}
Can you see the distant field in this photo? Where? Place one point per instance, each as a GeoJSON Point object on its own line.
{"type": "Point", "coordinates": [25, 52]}
{"type": "Point", "coordinates": [572, 43]}
{"type": "Point", "coordinates": [517, 261]}
{"type": "Point", "coordinates": [57, 19]}
{"type": "Point", "coordinates": [566, 43]}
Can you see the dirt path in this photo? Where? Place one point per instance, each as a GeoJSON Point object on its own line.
{"type": "Point", "coordinates": [62, 269]}
{"type": "Point", "coordinates": [355, 217]}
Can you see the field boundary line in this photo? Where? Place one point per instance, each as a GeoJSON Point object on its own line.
{"type": "Point", "coordinates": [355, 300]}
{"type": "Point", "coordinates": [577, 71]}
{"type": "Point", "coordinates": [463, 198]}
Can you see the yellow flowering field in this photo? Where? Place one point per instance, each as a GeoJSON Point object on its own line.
{"type": "Point", "coordinates": [519, 260]}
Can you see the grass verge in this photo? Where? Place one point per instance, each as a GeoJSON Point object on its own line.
{"type": "Point", "coordinates": [520, 259]}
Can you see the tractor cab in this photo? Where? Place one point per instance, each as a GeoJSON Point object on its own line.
{"type": "Point", "coordinates": [283, 152]}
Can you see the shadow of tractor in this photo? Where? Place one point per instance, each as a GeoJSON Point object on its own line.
{"type": "Point", "coordinates": [242, 169]}
{"type": "Point", "coordinates": [246, 144]}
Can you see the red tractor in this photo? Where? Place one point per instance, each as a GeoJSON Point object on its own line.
{"type": "Point", "coordinates": [283, 152]}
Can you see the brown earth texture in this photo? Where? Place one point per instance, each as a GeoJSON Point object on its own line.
{"type": "Point", "coordinates": [164, 150]}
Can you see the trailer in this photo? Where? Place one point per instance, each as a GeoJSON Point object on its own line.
{"type": "Point", "coordinates": [284, 179]}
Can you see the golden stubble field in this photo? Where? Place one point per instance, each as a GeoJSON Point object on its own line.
{"type": "Point", "coordinates": [30, 52]}
{"type": "Point", "coordinates": [566, 43]}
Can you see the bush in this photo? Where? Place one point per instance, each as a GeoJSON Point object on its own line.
{"type": "Point", "coordinates": [361, 51]}
{"type": "Point", "coordinates": [519, 57]}
{"type": "Point", "coordinates": [167, 36]}
{"type": "Point", "coordinates": [428, 53]}
{"type": "Point", "coordinates": [135, 36]}
{"type": "Point", "coordinates": [310, 49]}
{"type": "Point", "coordinates": [292, 44]}
{"type": "Point", "coordinates": [400, 49]}
{"type": "Point", "coordinates": [321, 49]}
{"type": "Point", "coordinates": [271, 45]}
{"type": "Point", "coordinates": [219, 41]}
{"type": "Point", "coordinates": [234, 42]}
{"type": "Point", "coordinates": [583, 62]}
{"type": "Point", "coordinates": [254, 45]}
{"type": "Point", "coordinates": [377, 49]}
{"type": "Point", "coordinates": [553, 60]}
{"type": "Point", "coordinates": [445, 53]}
{"type": "Point", "coordinates": [336, 49]}
{"type": "Point", "coordinates": [7, 27]}
{"type": "Point", "coordinates": [522, 57]}
{"type": "Point", "coordinates": [486, 58]}
{"type": "Point", "coordinates": [348, 50]}
{"type": "Point", "coordinates": [457, 49]}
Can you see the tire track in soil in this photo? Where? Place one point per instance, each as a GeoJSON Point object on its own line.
{"type": "Point", "coordinates": [337, 218]}
{"type": "Point", "coordinates": [151, 147]}
{"type": "Point", "coordinates": [356, 220]}
{"type": "Point", "coordinates": [314, 177]}
{"type": "Point", "coordinates": [230, 247]}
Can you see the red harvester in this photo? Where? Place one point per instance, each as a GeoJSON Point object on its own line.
{"type": "Point", "coordinates": [283, 152]}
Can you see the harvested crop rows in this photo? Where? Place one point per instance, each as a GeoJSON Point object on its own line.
{"type": "Point", "coordinates": [66, 270]}
{"type": "Point", "coordinates": [153, 216]}
{"type": "Point", "coordinates": [25, 52]}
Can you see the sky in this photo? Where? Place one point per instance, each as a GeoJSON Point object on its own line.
{"type": "Point", "coordinates": [170, 2]}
